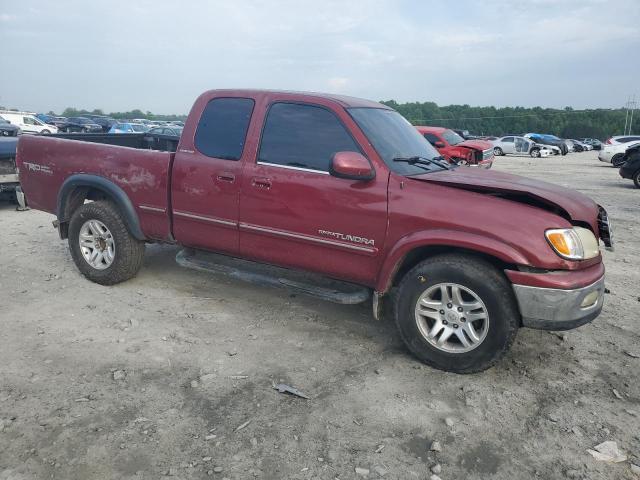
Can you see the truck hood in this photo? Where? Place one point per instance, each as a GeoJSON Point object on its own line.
{"type": "Point", "coordinates": [572, 205]}
{"type": "Point", "coordinates": [475, 144]}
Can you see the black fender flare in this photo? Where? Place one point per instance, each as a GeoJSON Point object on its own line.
{"type": "Point", "coordinates": [116, 194]}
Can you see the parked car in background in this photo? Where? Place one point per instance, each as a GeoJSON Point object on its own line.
{"type": "Point", "coordinates": [128, 127]}
{"type": "Point", "coordinates": [8, 129]}
{"type": "Point", "coordinates": [102, 120]}
{"type": "Point", "coordinates": [512, 144]}
{"type": "Point", "coordinates": [631, 164]}
{"type": "Point", "coordinates": [578, 146]}
{"type": "Point", "coordinates": [615, 140]}
{"type": "Point", "coordinates": [564, 146]}
{"type": "Point", "coordinates": [177, 123]}
{"type": "Point", "coordinates": [80, 125]}
{"type": "Point", "coordinates": [594, 142]}
{"type": "Point", "coordinates": [614, 153]}
{"type": "Point", "coordinates": [28, 123]}
{"type": "Point", "coordinates": [456, 149]}
{"type": "Point", "coordinates": [163, 138]}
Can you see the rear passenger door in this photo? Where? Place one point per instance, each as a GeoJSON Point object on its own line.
{"type": "Point", "coordinates": [507, 144]}
{"type": "Point", "coordinates": [207, 173]}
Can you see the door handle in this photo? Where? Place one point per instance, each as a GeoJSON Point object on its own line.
{"type": "Point", "coordinates": [226, 177]}
{"type": "Point", "coordinates": [261, 183]}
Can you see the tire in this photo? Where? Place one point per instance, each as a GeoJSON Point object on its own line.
{"type": "Point", "coordinates": [497, 151]}
{"type": "Point", "coordinates": [127, 253]}
{"type": "Point", "coordinates": [564, 150]}
{"type": "Point", "coordinates": [535, 152]}
{"type": "Point", "coordinates": [636, 179]}
{"type": "Point", "coordinates": [45, 132]}
{"type": "Point", "coordinates": [617, 160]}
{"type": "Point", "coordinates": [476, 276]}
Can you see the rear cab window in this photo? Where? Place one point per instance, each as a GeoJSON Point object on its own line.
{"type": "Point", "coordinates": [303, 136]}
{"type": "Point", "coordinates": [223, 126]}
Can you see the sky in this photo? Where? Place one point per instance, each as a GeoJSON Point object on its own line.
{"type": "Point", "coordinates": [159, 55]}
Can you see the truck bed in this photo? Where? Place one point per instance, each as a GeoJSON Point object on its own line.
{"type": "Point", "coordinates": [133, 140]}
{"type": "Point", "coordinates": [142, 174]}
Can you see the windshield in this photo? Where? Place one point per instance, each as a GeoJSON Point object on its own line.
{"type": "Point", "coordinates": [394, 137]}
{"type": "Point", "coordinates": [139, 128]}
{"type": "Point", "coordinates": [452, 137]}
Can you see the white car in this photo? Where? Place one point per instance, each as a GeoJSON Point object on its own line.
{"type": "Point", "coordinates": [618, 139]}
{"type": "Point", "coordinates": [28, 123]}
{"type": "Point", "coordinates": [512, 144]}
{"type": "Point", "coordinates": [613, 154]}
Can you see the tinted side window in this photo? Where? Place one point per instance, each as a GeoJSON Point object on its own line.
{"type": "Point", "coordinates": [303, 136]}
{"type": "Point", "coordinates": [431, 138]}
{"type": "Point", "coordinates": [508, 139]}
{"type": "Point", "coordinates": [223, 126]}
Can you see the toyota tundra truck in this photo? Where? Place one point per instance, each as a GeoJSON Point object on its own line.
{"type": "Point", "coordinates": [344, 189]}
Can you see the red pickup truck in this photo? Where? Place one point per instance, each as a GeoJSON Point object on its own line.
{"type": "Point", "coordinates": [456, 149]}
{"type": "Point", "coordinates": [342, 187]}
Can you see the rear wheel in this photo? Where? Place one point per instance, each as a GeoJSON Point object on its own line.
{"type": "Point", "coordinates": [456, 313]}
{"type": "Point", "coordinates": [636, 179]}
{"type": "Point", "coordinates": [101, 246]}
{"type": "Point", "coordinates": [45, 132]}
{"type": "Point", "coordinates": [497, 151]}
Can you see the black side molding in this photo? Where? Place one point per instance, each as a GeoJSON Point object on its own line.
{"type": "Point", "coordinates": [112, 190]}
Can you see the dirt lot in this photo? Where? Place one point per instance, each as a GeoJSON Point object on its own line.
{"type": "Point", "coordinates": [170, 374]}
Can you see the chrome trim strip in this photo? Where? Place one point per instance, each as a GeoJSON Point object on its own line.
{"type": "Point", "coordinates": [152, 209]}
{"type": "Point", "coordinates": [288, 167]}
{"type": "Point", "coordinates": [206, 219]}
{"type": "Point", "coordinates": [307, 237]}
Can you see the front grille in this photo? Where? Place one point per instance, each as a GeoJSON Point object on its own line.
{"type": "Point", "coordinates": [604, 228]}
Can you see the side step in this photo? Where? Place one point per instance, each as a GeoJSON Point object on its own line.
{"type": "Point", "coordinates": [262, 274]}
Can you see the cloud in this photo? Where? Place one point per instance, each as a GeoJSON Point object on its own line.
{"type": "Point", "coordinates": [7, 17]}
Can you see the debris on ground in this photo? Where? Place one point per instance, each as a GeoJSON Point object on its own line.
{"type": "Point", "coordinates": [607, 452]}
{"type": "Point", "coordinates": [362, 471]}
{"type": "Point", "coordinates": [119, 375]}
{"type": "Point", "coordinates": [435, 446]}
{"type": "Point", "coordinates": [380, 448]}
{"type": "Point", "coordinates": [437, 468]}
{"type": "Point", "coordinates": [449, 421]}
{"type": "Point", "coordinates": [632, 354]}
{"type": "Point", "coordinates": [617, 394]}
{"type": "Point", "coordinates": [283, 388]}
{"type": "Point", "coordinates": [243, 425]}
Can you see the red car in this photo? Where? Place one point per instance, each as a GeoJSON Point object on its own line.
{"type": "Point", "coordinates": [456, 149]}
{"type": "Point", "coordinates": [339, 187]}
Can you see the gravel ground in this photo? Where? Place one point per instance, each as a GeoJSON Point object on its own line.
{"type": "Point", "coordinates": [170, 374]}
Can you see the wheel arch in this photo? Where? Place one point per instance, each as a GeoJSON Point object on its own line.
{"type": "Point", "coordinates": [409, 252]}
{"type": "Point", "coordinates": [81, 187]}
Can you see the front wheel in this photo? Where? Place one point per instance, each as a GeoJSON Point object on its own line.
{"type": "Point", "coordinates": [636, 179]}
{"type": "Point", "coordinates": [535, 153]}
{"type": "Point", "coordinates": [101, 246]}
{"type": "Point", "coordinates": [456, 313]}
{"type": "Point", "coordinates": [45, 132]}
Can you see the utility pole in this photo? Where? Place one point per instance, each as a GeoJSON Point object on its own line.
{"type": "Point", "coordinates": [633, 107]}
{"type": "Point", "coordinates": [626, 115]}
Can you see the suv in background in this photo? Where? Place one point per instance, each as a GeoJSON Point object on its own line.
{"type": "Point", "coordinates": [594, 142]}
{"type": "Point", "coordinates": [102, 120]}
{"type": "Point", "coordinates": [622, 139]}
{"type": "Point", "coordinates": [81, 125]}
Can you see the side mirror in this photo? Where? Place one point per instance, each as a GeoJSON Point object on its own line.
{"type": "Point", "coordinates": [352, 166]}
{"type": "Point", "coordinates": [439, 144]}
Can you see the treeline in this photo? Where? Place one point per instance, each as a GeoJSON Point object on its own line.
{"type": "Point", "coordinates": [136, 113]}
{"type": "Point", "coordinates": [567, 123]}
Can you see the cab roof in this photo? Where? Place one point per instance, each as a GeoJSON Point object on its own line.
{"type": "Point", "coordinates": [344, 100]}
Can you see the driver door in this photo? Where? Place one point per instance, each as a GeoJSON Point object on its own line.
{"type": "Point", "coordinates": [294, 213]}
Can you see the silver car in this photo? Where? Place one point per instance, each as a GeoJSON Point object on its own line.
{"type": "Point", "coordinates": [511, 145]}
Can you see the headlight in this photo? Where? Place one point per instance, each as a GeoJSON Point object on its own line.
{"type": "Point", "coordinates": [575, 243]}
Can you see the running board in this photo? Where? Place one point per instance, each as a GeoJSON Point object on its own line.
{"type": "Point", "coordinates": [263, 274]}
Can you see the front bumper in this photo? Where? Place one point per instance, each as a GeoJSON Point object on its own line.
{"type": "Point", "coordinates": [558, 309]}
